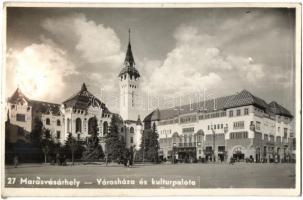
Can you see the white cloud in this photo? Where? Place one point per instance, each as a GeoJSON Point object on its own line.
{"type": "Point", "coordinates": [39, 70]}
{"type": "Point", "coordinates": [95, 48]}
{"type": "Point", "coordinates": [196, 64]}
{"type": "Point", "coordinates": [95, 42]}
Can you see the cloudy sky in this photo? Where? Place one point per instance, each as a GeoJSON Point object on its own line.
{"type": "Point", "coordinates": [50, 52]}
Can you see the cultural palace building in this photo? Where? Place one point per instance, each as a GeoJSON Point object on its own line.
{"type": "Point", "coordinates": [239, 126]}
{"type": "Point", "coordinates": [79, 113]}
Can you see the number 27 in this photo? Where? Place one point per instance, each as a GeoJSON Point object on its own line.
{"type": "Point", "coordinates": [11, 180]}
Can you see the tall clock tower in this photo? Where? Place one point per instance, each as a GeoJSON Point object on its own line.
{"type": "Point", "coordinates": [129, 81]}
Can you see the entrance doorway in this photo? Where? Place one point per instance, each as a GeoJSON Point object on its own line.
{"type": "Point", "coordinates": [238, 155]}
{"type": "Point", "coordinates": [187, 155]}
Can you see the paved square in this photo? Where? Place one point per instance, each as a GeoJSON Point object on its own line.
{"type": "Point", "coordinates": [239, 175]}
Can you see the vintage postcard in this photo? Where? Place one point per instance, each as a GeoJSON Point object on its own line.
{"type": "Point", "coordinates": [162, 99]}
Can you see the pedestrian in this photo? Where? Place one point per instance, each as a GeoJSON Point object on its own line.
{"type": "Point", "coordinates": [16, 161]}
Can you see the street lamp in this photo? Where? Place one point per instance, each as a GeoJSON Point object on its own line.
{"type": "Point", "coordinates": [173, 157]}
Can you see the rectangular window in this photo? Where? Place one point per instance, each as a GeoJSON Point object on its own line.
{"type": "Point", "coordinates": [258, 125]}
{"type": "Point", "coordinates": [58, 134]}
{"type": "Point", "coordinates": [271, 138]}
{"type": "Point", "coordinates": [246, 111]}
{"type": "Point", "coordinates": [285, 132]}
{"type": "Point", "coordinates": [231, 113]}
{"type": "Point", "coordinates": [238, 135]}
{"type": "Point", "coordinates": [221, 148]}
{"type": "Point", "coordinates": [20, 117]}
{"type": "Point", "coordinates": [265, 137]}
{"type": "Point", "coordinates": [187, 130]}
{"type": "Point", "coordinates": [131, 140]}
{"type": "Point", "coordinates": [238, 112]}
{"type": "Point", "coordinates": [208, 127]}
{"type": "Point", "coordinates": [239, 125]}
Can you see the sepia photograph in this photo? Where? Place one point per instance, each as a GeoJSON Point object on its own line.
{"type": "Point", "coordinates": [185, 97]}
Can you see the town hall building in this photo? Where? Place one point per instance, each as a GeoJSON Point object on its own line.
{"type": "Point", "coordinates": [79, 113]}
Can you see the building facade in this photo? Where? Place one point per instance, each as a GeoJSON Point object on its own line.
{"type": "Point", "coordinates": [81, 112]}
{"type": "Point", "coordinates": [238, 126]}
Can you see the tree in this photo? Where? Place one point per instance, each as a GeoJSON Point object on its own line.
{"type": "Point", "coordinates": [37, 132]}
{"type": "Point", "coordinates": [114, 145]}
{"type": "Point", "coordinates": [71, 145]}
{"type": "Point", "coordinates": [150, 144]}
{"type": "Point", "coordinates": [46, 143]}
{"type": "Point", "coordinates": [93, 149]}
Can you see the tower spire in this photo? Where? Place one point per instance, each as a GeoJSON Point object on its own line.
{"type": "Point", "coordinates": [128, 35]}
{"type": "Point", "coordinates": [129, 58]}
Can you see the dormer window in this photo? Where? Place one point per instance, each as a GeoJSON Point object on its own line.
{"type": "Point", "coordinates": [13, 106]}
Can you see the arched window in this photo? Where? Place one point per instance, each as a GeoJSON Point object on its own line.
{"type": "Point", "coordinates": [131, 130]}
{"type": "Point", "coordinates": [47, 121]}
{"type": "Point", "coordinates": [92, 125]}
{"type": "Point", "coordinates": [78, 125]}
{"type": "Point", "coordinates": [58, 122]}
{"type": "Point", "coordinates": [105, 128]}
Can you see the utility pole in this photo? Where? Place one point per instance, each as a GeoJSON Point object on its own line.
{"type": "Point", "coordinates": [214, 143]}
{"type": "Point", "coordinates": [143, 147]}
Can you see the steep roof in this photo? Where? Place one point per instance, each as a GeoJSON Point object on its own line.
{"type": "Point", "coordinates": [83, 99]}
{"type": "Point", "coordinates": [37, 106]}
{"type": "Point", "coordinates": [18, 97]}
{"type": "Point", "coordinates": [46, 107]}
{"type": "Point", "coordinates": [244, 98]}
{"type": "Point", "coordinates": [278, 109]}
{"type": "Point", "coordinates": [208, 106]}
{"type": "Point", "coordinates": [129, 63]}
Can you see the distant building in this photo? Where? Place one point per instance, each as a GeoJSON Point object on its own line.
{"type": "Point", "coordinates": [239, 126]}
{"type": "Point", "coordinates": [79, 113]}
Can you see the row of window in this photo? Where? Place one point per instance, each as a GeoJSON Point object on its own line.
{"type": "Point", "coordinates": [220, 148]}
{"type": "Point", "coordinates": [188, 130]}
{"type": "Point", "coordinates": [239, 125]}
{"type": "Point", "coordinates": [48, 122]}
{"type": "Point", "coordinates": [131, 130]}
{"type": "Point", "coordinates": [15, 107]}
{"type": "Point", "coordinates": [130, 76]}
{"type": "Point", "coordinates": [215, 126]}
{"type": "Point", "coordinates": [212, 115]}
{"type": "Point", "coordinates": [238, 135]}
{"type": "Point", "coordinates": [271, 138]}
{"type": "Point", "coordinates": [188, 119]}
{"type": "Point", "coordinates": [209, 137]}
{"type": "Point", "coordinates": [165, 132]}
{"type": "Point", "coordinates": [188, 138]}
{"type": "Point", "coordinates": [238, 112]}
